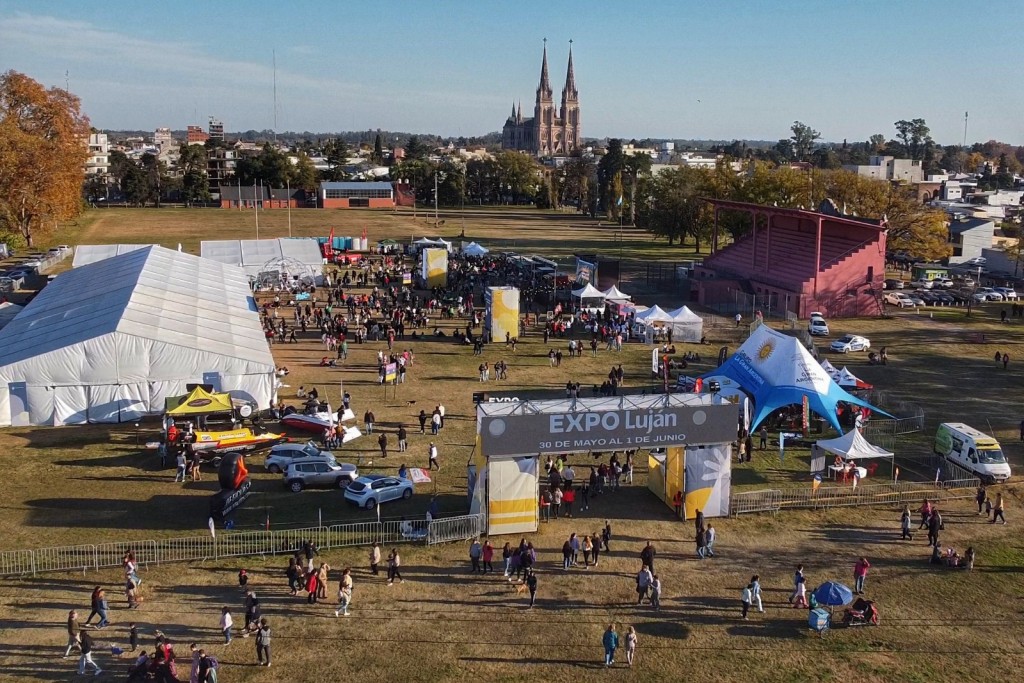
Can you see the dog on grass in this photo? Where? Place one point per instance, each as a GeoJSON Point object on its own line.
{"type": "Point", "coordinates": [520, 587]}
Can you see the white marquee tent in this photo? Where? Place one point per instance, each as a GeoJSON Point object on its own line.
{"type": "Point", "coordinates": [654, 314]}
{"type": "Point", "coordinates": [613, 293]}
{"type": "Point", "coordinates": [853, 446]}
{"type": "Point", "coordinates": [686, 325]}
{"type": "Point", "coordinates": [91, 253]}
{"type": "Point", "coordinates": [298, 257]}
{"type": "Point", "coordinates": [108, 342]}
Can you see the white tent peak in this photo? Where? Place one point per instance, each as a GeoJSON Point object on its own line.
{"type": "Point", "coordinates": [654, 314]}
{"type": "Point", "coordinates": [853, 445]}
{"type": "Point", "coordinates": [683, 313]}
{"type": "Point", "coordinates": [613, 293]}
{"type": "Point", "coordinates": [474, 249]}
{"type": "Point", "coordinates": [588, 292]}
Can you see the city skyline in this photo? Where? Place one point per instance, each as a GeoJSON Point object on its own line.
{"type": "Point", "coordinates": [671, 71]}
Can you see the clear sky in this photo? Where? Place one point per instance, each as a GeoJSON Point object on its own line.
{"type": "Point", "coordinates": [718, 69]}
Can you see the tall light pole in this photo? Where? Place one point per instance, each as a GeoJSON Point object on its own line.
{"type": "Point", "coordinates": [436, 173]}
{"type": "Point", "coordinates": [256, 208]}
{"type": "Point", "coordinates": [288, 199]}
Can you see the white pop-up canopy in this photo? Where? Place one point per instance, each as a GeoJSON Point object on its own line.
{"type": "Point", "coordinates": [588, 292]}
{"type": "Point", "coordinates": [474, 249]}
{"type": "Point", "coordinates": [654, 314]}
{"type": "Point", "coordinates": [613, 293]}
{"type": "Point", "coordinates": [853, 446]}
{"type": "Point", "coordinates": [848, 380]}
{"type": "Point", "coordinates": [686, 325]}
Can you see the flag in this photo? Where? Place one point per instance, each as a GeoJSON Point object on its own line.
{"type": "Point", "coordinates": [618, 202]}
{"type": "Point", "coordinates": [329, 247]}
{"type": "Point", "coordinates": [213, 528]}
{"type": "Point", "coordinates": [815, 483]}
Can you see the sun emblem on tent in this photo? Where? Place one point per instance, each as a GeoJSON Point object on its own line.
{"type": "Point", "coordinates": [765, 351]}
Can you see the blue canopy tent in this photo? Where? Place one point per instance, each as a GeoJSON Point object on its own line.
{"type": "Point", "coordinates": [777, 371]}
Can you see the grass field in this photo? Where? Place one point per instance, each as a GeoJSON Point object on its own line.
{"type": "Point", "coordinates": [94, 484]}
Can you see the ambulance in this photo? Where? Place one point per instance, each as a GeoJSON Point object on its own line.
{"type": "Point", "coordinates": [972, 450]}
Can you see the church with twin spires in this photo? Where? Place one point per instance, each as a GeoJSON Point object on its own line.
{"type": "Point", "coordinates": [550, 131]}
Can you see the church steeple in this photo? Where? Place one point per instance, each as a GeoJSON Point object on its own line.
{"type": "Point", "coordinates": [569, 91]}
{"type": "Point", "coordinates": [519, 114]}
{"type": "Point", "coordinates": [544, 89]}
{"type": "Point", "coordinates": [513, 110]}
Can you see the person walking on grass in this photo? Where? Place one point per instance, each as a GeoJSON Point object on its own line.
{"type": "Point", "coordinates": [475, 550]}
{"type": "Point", "coordinates": [531, 585]}
{"type": "Point", "coordinates": [630, 645]}
{"type": "Point", "coordinates": [709, 541]}
{"type": "Point", "coordinates": [344, 593]}
{"type": "Point", "coordinates": [755, 583]}
{"type": "Point", "coordinates": [656, 592]}
{"type": "Point", "coordinates": [74, 634]}
{"type": "Point", "coordinates": [87, 645]}
{"type": "Point", "coordinates": [432, 458]}
{"type": "Point", "coordinates": [588, 548]}
{"type": "Point", "coordinates": [643, 583]}
{"type": "Point", "coordinates": [375, 559]}
{"type": "Point", "coordinates": [860, 574]}
{"type": "Point", "coordinates": [263, 643]}
{"type": "Point", "coordinates": [487, 557]}
{"type": "Point", "coordinates": [798, 579]}
{"type": "Point", "coordinates": [997, 511]}
{"type": "Point", "coordinates": [226, 622]}
{"type": "Point", "coordinates": [179, 461]}
{"type": "Point", "coordinates": [745, 597]}
{"type": "Point", "coordinates": [701, 541]}
{"type": "Point", "coordinates": [394, 567]}
{"type": "Point", "coordinates": [980, 497]}
{"type": "Point", "coordinates": [610, 641]}
{"type": "Point", "coordinates": [647, 555]}
{"type": "Point", "coordinates": [905, 524]}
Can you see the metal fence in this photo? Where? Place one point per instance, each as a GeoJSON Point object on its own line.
{"type": "Point", "coordinates": [87, 557]}
{"type": "Point", "coordinates": [894, 493]}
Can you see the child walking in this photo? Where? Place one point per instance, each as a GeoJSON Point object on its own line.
{"type": "Point", "coordinates": [630, 645]}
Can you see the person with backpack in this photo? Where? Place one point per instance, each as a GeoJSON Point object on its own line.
{"type": "Point", "coordinates": [208, 666]}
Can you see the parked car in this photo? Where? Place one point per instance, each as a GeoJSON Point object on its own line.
{"type": "Point", "coordinates": [945, 299]}
{"type": "Point", "coordinates": [990, 294]}
{"type": "Point", "coordinates": [898, 299]}
{"type": "Point", "coordinates": [892, 283]}
{"type": "Point", "coordinates": [281, 455]}
{"type": "Point", "coordinates": [1009, 293]}
{"type": "Point", "coordinates": [922, 284]}
{"type": "Point", "coordinates": [929, 298]}
{"type": "Point", "coordinates": [306, 472]}
{"type": "Point", "coordinates": [817, 325]}
{"type": "Point", "coordinates": [850, 342]}
{"type": "Point", "coordinates": [976, 261]}
{"type": "Point", "coordinates": [915, 299]}
{"type": "Point", "coordinates": [372, 490]}
{"type": "Point", "coordinates": [944, 282]}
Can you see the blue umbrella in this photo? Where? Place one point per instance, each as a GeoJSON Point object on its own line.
{"type": "Point", "coordinates": [833, 594]}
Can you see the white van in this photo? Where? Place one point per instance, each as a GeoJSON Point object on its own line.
{"type": "Point", "coordinates": [973, 450]}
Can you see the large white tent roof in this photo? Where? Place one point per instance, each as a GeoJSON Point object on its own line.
{"type": "Point", "coordinates": [852, 446]}
{"type": "Point", "coordinates": [253, 255]}
{"type": "Point", "coordinates": [91, 253]}
{"type": "Point", "coordinates": [156, 294]}
{"type": "Point", "coordinates": [474, 249]}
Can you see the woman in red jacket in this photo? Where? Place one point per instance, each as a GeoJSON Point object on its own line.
{"type": "Point", "coordinates": [312, 585]}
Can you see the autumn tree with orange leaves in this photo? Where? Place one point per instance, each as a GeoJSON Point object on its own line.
{"type": "Point", "coordinates": [43, 150]}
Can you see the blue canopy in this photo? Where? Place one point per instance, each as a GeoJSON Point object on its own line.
{"type": "Point", "coordinates": [777, 371]}
{"type": "Point", "coordinates": [833, 594]}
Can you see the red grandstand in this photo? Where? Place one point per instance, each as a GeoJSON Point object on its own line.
{"type": "Point", "coordinates": [797, 260]}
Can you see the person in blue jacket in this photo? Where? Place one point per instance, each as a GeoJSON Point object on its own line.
{"type": "Point", "coordinates": [611, 643]}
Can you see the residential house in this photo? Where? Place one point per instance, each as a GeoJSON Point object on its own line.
{"type": "Point", "coordinates": [968, 237]}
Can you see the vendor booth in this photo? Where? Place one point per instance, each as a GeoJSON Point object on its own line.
{"type": "Point", "coordinates": [514, 432]}
{"type": "Point", "coordinates": [613, 293]}
{"type": "Point", "coordinates": [651, 324]}
{"type": "Point", "coordinates": [589, 298]}
{"type": "Point", "coordinates": [853, 450]}
{"type": "Point", "coordinates": [686, 325]}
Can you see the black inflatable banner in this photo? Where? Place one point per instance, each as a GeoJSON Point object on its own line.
{"type": "Point", "coordinates": [234, 487]}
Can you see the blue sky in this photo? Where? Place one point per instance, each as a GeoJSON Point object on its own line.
{"type": "Point", "coordinates": [683, 69]}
